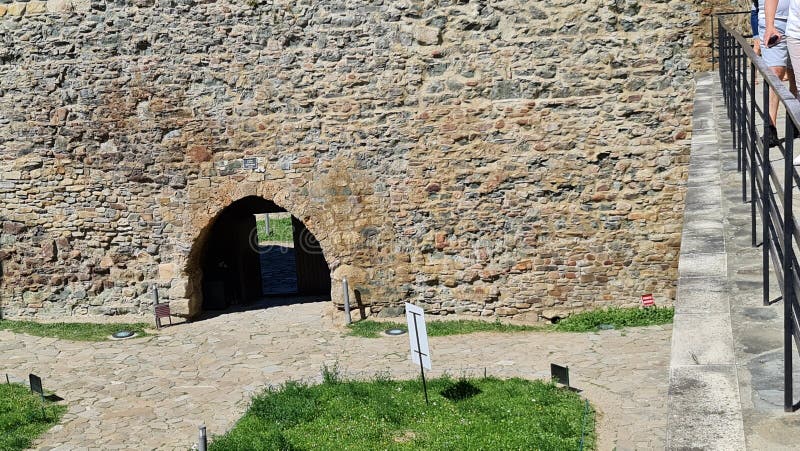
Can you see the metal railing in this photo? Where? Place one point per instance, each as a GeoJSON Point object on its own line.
{"type": "Point", "coordinates": [714, 17]}
{"type": "Point", "coordinates": [770, 195]}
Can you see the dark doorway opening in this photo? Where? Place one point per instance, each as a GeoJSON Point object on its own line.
{"type": "Point", "coordinates": [245, 262]}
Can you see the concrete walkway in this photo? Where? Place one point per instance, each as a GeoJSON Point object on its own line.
{"type": "Point", "coordinates": [704, 407]}
{"type": "Point", "coordinates": [726, 383]}
{"type": "Point", "coordinates": [151, 393]}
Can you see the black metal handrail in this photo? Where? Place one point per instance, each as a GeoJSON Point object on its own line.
{"type": "Point", "coordinates": [714, 16]}
{"type": "Point", "coordinates": [738, 65]}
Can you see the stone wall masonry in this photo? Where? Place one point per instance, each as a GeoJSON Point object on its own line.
{"type": "Point", "coordinates": [508, 158]}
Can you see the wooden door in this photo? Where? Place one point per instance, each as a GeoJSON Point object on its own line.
{"type": "Point", "coordinates": [313, 274]}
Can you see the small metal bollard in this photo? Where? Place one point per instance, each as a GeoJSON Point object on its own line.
{"type": "Point", "coordinates": [346, 289]}
{"type": "Point", "coordinates": [202, 444]}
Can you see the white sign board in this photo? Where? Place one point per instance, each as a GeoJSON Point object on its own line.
{"type": "Point", "coordinates": [418, 335]}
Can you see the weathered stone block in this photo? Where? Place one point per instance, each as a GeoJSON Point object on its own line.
{"type": "Point", "coordinates": [59, 6]}
{"type": "Point", "coordinates": [16, 9]}
{"type": "Point", "coordinates": [82, 6]}
{"type": "Point", "coordinates": [167, 272]}
{"type": "Point", "coordinates": [36, 7]}
{"type": "Point", "coordinates": [179, 307]}
{"type": "Point", "coordinates": [428, 35]}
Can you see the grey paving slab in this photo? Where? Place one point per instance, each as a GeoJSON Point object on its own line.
{"type": "Point", "coordinates": [702, 339]}
{"type": "Point", "coordinates": [704, 409]}
{"type": "Point", "coordinates": [701, 179]}
{"type": "Point", "coordinates": [709, 193]}
{"type": "Point", "coordinates": [706, 295]}
{"type": "Point", "coordinates": [702, 243]}
{"type": "Point", "coordinates": [702, 265]}
{"type": "Point", "coordinates": [706, 226]}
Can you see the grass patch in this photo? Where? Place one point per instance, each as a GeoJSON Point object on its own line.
{"type": "Point", "coordinates": [372, 329]}
{"type": "Point", "coordinates": [71, 331]}
{"type": "Point", "coordinates": [21, 418]}
{"type": "Point", "coordinates": [579, 322]}
{"type": "Point", "coordinates": [280, 230]}
{"type": "Point", "coordinates": [619, 317]}
{"type": "Point", "coordinates": [385, 414]}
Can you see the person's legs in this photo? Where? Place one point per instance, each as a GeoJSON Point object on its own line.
{"type": "Point", "coordinates": [777, 58]}
{"type": "Point", "coordinates": [780, 71]}
{"type": "Point", "coordinates": [793, 45]}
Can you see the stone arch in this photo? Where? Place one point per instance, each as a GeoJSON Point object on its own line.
{"type": "Point", "coordinates": [208, 211]}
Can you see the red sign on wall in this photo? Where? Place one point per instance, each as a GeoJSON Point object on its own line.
{"type": "Point", "coordinates": [647, 300]}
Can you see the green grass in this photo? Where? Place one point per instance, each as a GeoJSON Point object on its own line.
{"type": "Point", "coordinates": [383, 414]}
{"type": "Point", "coordinates": [21, 419]}
{"type": "Point", "coordinates": [71, 331]}
{"type": "Point", "coordinates": [579, 322]}
{"type": "Point", "coordinates": [619, 317]}
{"type": "Point", "coordinates": [280, 229]}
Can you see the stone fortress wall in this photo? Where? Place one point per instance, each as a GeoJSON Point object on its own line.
{"type": "Point", "coordinates": [510, 158]}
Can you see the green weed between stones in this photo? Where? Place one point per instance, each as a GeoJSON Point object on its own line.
{"type": "Point", "coordinates": [280, 230]}
{"type": "Point", "coordinates": [485, 413]}
{"type": "Point", "coordinates": [71, 331]}
{"type": "Point", "coordinates": [580, 322]}
{"type": "Point", "coordinates": [21, 419]}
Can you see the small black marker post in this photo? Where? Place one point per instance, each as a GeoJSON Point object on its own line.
{"type": "Point", "coordinates": [420, 354]}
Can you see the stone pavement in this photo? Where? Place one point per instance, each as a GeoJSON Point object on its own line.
{"type": "Point", "coordinates": [153, 392]}
{"type": "Point", "coordinates": [278, 268]}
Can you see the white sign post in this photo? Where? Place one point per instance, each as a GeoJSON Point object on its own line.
{"type": "Point", "coordinates": [418, 338]}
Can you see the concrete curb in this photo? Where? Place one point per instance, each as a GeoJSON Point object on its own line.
{"type": "Point", "coordinates": [704, 403]}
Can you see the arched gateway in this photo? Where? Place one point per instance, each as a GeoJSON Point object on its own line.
{"type": "Point", "coordinates": [233, 265]}
{"type": "Point", "coordinates": [235, 261]}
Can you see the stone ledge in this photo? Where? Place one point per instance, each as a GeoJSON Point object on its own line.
{"type": "Point", "coordinates": [702, 339]}
{"type": "Point", "coordinates": [704, 408]}
{"type": "Point", "coordinates": [37, 7]}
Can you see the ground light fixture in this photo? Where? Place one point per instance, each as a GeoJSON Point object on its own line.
{"type": "Point", "coordinates": [123, 334]}
{"type": "Point", "coordinates": [395, 331]}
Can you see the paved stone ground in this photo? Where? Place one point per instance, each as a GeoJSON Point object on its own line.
{"type": "Point", "coordinates": [151, 393]}
{"type": "Point", "coordinates": [278, 269]}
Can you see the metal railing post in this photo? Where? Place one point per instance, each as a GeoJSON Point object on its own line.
{"type": "Point", "coordinates": [719, 47]}
{"type": "Point", "coordinates": [743, 126]}
{"type": "Point", "coordinates": [737, 130]}
{"type": "Point", "coordinates": [742, 151]}
{"type": "Point", "coordinates": [788, 268]}
{"type": "Point", "coordinates": [712, 41]}
{"type": "Point", "coordinates": [753, 149]}
{"type": "Point", "coordinates": [766, 191]}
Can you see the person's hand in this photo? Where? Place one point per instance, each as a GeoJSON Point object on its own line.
{"type": "Point", "coordinates": [757, 46]}
{"type": "Point", "coordinates": [769, 33]}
